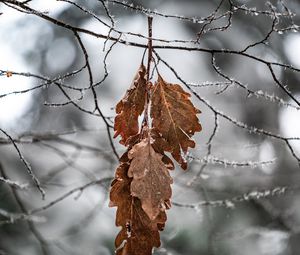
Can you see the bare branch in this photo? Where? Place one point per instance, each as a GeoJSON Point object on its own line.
{"type": "Point", "coordinates": [26, 164]}
{"type": "Point", "coordinates": [230, 203]}
{"type": "Point", "coordinates": [69, 193]}
{"type": "Point", "coordinates": [14, 183]}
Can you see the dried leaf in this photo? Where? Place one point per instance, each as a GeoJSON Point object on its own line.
{"type": "Point", "coordinates": [160, 145]}
{"type": "Point", "coordinates": [120, 194]}
{"type": "Point", "coordinates": [174, 116]}
{"type": "Point", "coordinates": [130, 107]}
{"type": "Point", "coordinates": [151, 178]}
{"type": "Point", "coordinates": [8, 74]}
{"type": "Point", "coordinates": [141, 190]}
{"type": "Point", "coordinates": [139, 234]}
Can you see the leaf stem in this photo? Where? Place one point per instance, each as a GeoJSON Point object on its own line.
{"type": "Point", "coordinates": [146, 121]}
{"type": "Point", "coordinates": [150, 19]}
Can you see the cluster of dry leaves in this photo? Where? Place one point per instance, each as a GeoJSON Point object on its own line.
{"type": "Point", "coordinates": [141, 189]}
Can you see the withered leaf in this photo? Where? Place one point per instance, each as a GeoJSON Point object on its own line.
{"type": "Point", "coordinates": [141, 190]}
{"type": "Point", "coordinates": [139, 234]}
{"type": "Point", "coordinates": [130, 107]}
{"type": "Point", "coordinates": [174, 116]}
{"type": "Point", "coordinates": [120, 194]}
{"type": "Point", "coordinates": [160, 145]}
{"type": "Point", "coordinates": [151, 178]}
{"type": "Point", "coordinates": [8, 74]}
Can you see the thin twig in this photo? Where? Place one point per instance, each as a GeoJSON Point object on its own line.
{"type": "Point", "coordinates": [37, 234]}
{"type": "Point", "coordinates": [69, 193]}
{"type": "Point", "coordinates": [26, 164]}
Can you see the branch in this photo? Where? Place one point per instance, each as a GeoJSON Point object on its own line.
{"type": "Point", "coordinates": [230, 203]}
{"type": "Point", "coordinates": [69, 193]}
{"type": "Point", "coordinates": [14, 183]}
{"type": "Point", "coordinates": [26, 164]}
{"type": "Point", "coordinates": [39, 237]}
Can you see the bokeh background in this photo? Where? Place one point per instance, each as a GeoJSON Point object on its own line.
{"type": "Point", "coordinates": [221, 203]}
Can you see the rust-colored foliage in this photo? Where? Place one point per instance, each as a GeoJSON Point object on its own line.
{"type": "Point", "coordinates": [8, 74]}
{"type": "Point", "coordinates": [151, 179]}
{"type": "Point", "coordinates": [141, 190]}
{"type": "Point", "coordinates": [174, 116]}
{"type": "Point", "coordinates": [130, 107]}
{"type": "Point", "coordinates": [139, 234]}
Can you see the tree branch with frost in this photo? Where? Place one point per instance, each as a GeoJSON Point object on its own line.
{"type": "Point", "coordinates": [230, 202]}
{"type": "Point", "coordinates": [25, 163]}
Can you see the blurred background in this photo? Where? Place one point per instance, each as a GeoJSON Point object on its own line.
{"type": "Point", "coordinates": [240, 194]}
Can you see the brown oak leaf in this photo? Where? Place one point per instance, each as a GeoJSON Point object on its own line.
{"type": "Point", "coordinates": [174, 116]}
{"type": "Point", "coordinates": [120, 194]}
{"type": "Point", "coordinates": [160, 145]}
{"type": "Point", "coordinates": [139, 234]}
{"type": "Point", "coordinates": [141, 189]}
{"type": "Point", "coordinates": [151, 178]}
{"type": "Point", "coordinates": [8, 74]}
{"type": "Point", "coordinates": [130, 107]}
